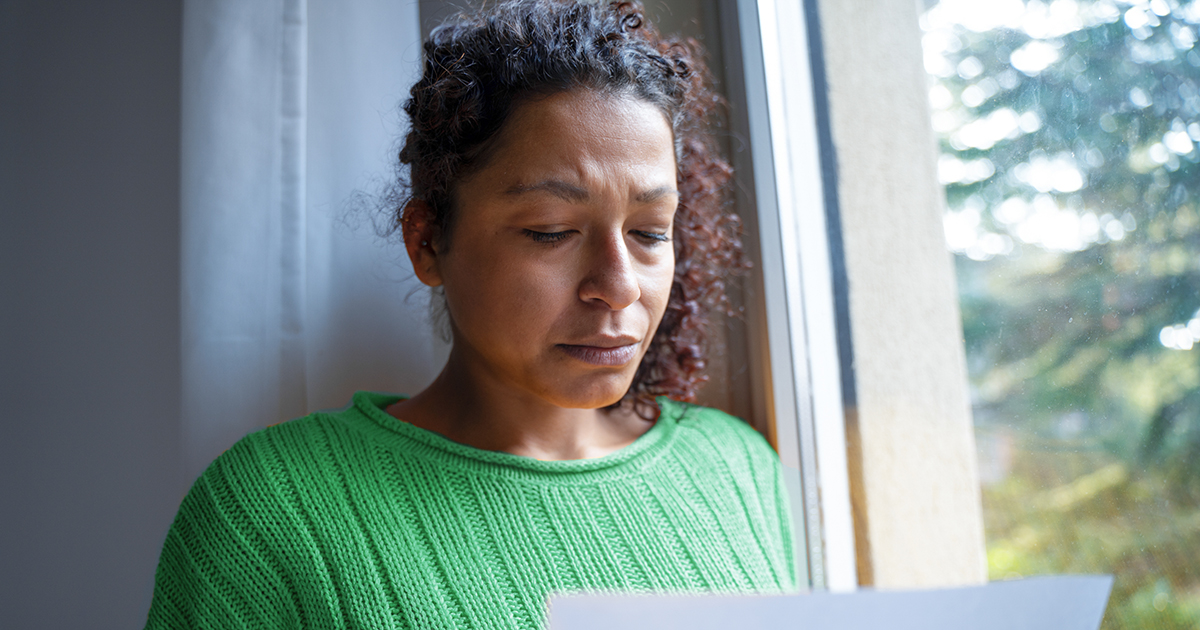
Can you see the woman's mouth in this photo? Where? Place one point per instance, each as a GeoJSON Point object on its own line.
{"type": "Point", "coordinates": [614, 356]}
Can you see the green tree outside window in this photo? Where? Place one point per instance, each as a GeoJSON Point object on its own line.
{"type": "Point", "coordinates": [1070, 140]}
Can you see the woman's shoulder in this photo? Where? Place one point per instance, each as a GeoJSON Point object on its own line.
{"type": "Point", "coordinates": [709, 420]}
{"type": "Point", "coordinates": [721, 433]}
{"type": "Point", "coordinates": [276, 453]}
{"type": "Point", "coordinates": [243, 533]}
{"type": "Point", "coordinates": [264, 480]}
{"type": "Point", "coordinates": [293, 435]}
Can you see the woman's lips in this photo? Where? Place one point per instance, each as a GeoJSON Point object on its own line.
{"type": "Point", "coordinates": [604, 356]}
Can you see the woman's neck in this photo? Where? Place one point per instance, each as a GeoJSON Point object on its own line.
{"type": "Point", "coordinates": [472, 409]}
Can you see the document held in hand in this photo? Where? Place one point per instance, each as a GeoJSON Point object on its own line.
{"type": "Point", "coordinates": [1042, 603]}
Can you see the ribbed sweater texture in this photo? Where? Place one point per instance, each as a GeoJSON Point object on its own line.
{"type": "Point", "coordinates": [353, 519]}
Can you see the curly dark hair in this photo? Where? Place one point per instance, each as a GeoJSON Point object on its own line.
{"type": "Point", "coordinates": [478, 68]}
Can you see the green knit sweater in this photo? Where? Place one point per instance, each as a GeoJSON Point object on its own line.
{"type": "Point", "coordinates": [353, 519]}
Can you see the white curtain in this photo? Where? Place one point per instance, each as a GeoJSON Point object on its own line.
{"type": "Point", "coordinates": [290, 300]}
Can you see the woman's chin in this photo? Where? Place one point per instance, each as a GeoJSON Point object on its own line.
{"type": "Point", "coordinates": [596, 393]}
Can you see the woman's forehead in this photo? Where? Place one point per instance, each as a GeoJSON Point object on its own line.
{"type": "Point", "coordinates": [584, 129]}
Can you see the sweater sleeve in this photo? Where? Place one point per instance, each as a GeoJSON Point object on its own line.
{"type": "Point", "coordinates": [213, 573]}
{"type": "Point", "coordinates": [783, 509]}
{"type": "Point", "coordinates": [757, 466]}
{"type": "Point", "coordinates": [774, 487]}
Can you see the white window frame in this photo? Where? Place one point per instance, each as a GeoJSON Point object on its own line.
{"type": "Point", "coordinates": [801, 372]}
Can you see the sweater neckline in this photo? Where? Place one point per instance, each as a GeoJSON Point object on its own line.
{"type": "Point", "coordinates": [425, 443]}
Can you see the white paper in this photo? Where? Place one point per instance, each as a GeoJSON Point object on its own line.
{"type": "Point", "coordinates": [1043, 603]}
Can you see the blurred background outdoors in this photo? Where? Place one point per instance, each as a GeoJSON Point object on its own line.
{"type": "Point", "coordinates": [1069, 136]}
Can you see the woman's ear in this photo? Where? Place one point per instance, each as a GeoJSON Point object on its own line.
{"type": "Point", "coordinates": [419, 238]}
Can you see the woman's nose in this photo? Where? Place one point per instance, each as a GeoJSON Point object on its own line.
{"type": "Point", "coordinates": [609, 276]}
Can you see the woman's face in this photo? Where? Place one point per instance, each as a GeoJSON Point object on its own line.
{"type": "Point", "coordinates": [560, 261]}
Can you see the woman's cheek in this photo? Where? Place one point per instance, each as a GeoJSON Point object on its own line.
{"type": "Point", "coordinates": [534, 290]}
{"type": "Point", "coordinates": [663, 275]}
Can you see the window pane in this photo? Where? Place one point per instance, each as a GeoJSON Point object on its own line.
{"type": "Point", "coordinates": [1069, 134]}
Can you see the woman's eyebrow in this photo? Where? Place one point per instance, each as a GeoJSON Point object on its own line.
{"type": "Point", "coordinates": [558, 188]}
{"type": "Point", "coordinates": [654, 194]}
{"type": "Point", "coordinates": [576, 194]}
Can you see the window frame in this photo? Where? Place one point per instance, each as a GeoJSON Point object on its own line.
{"type": "Point", "coordinates": [794, 324]}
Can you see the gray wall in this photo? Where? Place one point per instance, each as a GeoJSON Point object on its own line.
{"type": "Point", "coordinates": [89, 315]}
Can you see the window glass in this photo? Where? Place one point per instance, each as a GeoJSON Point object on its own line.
{"type": "Point", "coordinates": [1069, 134]}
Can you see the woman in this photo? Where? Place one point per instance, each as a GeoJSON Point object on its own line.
{"type": "Point", "coordinates": [564, 200]}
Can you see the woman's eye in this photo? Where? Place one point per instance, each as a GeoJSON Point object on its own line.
{"type": "Point", "coordinates": [546, 237]}
{"type": "Point", "coordinates": [652, 237]}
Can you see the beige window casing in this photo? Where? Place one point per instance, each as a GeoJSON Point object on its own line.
{"type": "Point", "coordinates": [888, 480]}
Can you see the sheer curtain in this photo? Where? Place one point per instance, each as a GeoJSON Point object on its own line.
{"type": "Point", "coordinates": [290, 300]}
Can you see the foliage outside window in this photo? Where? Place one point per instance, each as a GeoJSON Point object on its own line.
{"type": "Point", "coordinates": [1070, 141]}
